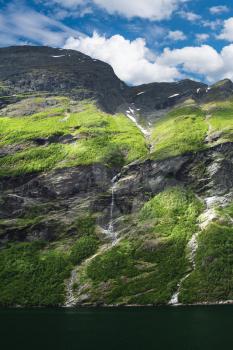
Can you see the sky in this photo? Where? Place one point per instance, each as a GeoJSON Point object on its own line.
{"type": "Point", "coordinates": [143, 40]}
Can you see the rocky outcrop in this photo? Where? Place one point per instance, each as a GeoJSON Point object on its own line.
{"type": "Point", "coordinates": [208, 173]}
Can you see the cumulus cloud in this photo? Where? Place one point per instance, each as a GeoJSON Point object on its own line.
{"type": "Point", "coordinates": [150, 9]}
{"type": "Point", "coordinates": [135, 64]}
{"type": "Point", "coordinates": [176, 35]}
{"type": "Point", "coordinates": [227, 32]}
{"type": "Point", "coordinates": [189, 16]}
{"type": "Point", "coordinates": [202, 60]}
{"type": "Point", "coordinates": [156, 10]}
{"type": "Point", "coordinates": [202, 37]}
{"type": "Point", "coordinates": [217, 10]}
{"type": "Point", "coordinates": [131, 60]}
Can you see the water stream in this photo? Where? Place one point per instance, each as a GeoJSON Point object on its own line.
{"type": "Point", "coordinates": [192, 249]}
{"type": "Point", "coordinates": [110, 231]}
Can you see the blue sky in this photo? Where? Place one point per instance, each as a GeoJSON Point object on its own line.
{"type": "Point", "coordinates": [143, 40]}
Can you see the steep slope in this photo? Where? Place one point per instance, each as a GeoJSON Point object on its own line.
{"type": "Point", "coordinates": [26, 69]}
{"type": "Point", "coordinates": [97, 208]}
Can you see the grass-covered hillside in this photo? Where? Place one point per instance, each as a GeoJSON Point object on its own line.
{"type": "Point", "coordinates": [183, 130]}
{"type": "Point", "coordinates": [192, 127]}
{"type": "Point", "coordinates": [146, 266]}
{"type": "Point", "coordinates": [68, 235]}
{"type": "Point", "coordinates": [43, 133]}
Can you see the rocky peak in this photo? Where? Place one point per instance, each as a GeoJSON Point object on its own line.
{"type": "Point", "coordinates": [32, 68]}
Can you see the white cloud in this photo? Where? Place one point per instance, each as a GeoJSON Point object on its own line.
{"type": "Point", "coordinates": [227, 32]}
{"type": "Point", "coordinates": [150, 9]}
{"type": "Point", "coordinates": [156, 10]}
{"type": "Point", "coordinates": [189, 16]}
{"type": "Point", "coordinates": [131, 60]}
{"type": "Point", "coordinates": [33, 26]}
{"type": "Point", "coordinates": [202, 37]}
{"type": "Point", "coordinates": [213, 25]}
{"type": "Point", "coordinates": [176, 35]}
{"type": "Point", "coordinates": [203, 60]}
{"type": "Point", "coordinates": [200, 60]}
{"type": "Point", "coordinates": [216, 10]}
{"type": "Point", "coordinates": [135, 64]}
{"type": "Point", "coordinates": [227, 56]}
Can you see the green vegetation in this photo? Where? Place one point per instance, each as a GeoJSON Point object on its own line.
{"type": "Point", "coordinates": [212, 279]}
{"type": "Point", "coordinates": [174, 212]}
{"type": "Point", "coordinates": [34, 274]}
{"type": "Point", "coordinates": [30, 277]}
{"type": "Point", "coordinates": [84, 225]}
{"type": "Point", "coordinates": [113, 264]}
{"type": "Point", "coordinates": [182, 130]}
{"type": "Point", "coordinates": [93, 136]}
{"type": "Point", "coordinates": [146, 267]}
{"type": "Point", "coordinates": [83, 248]}
{"type": "Point", "coordinates": [221, 119]}
{"type": "Point", "coordinates": [31, 160]}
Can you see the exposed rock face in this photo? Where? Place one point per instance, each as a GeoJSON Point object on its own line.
{"type": "Point", "coordinates": [27, 69]}
{"type": "Point", "coordinates": [64, 193]}
{"type": "Point", "coordinates": [155, 99]}
{"type": "Point", "coordinates": [208, 173]}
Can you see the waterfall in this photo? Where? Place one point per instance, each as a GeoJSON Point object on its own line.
{"type": "Point", "coordinates": [192, 247]}
{"type": "Point", "coordinates": [110, 231]}
{"type": "Point", "coordinates": [69, 292]}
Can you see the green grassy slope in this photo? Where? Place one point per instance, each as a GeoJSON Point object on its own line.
{"type": "Point", "coordinates": [183, 130]}
{"type": "Point", "coordinates": [186, 128]}
{"type": "Point", "coordinates": [147, 265]}
{"type": "Point", "coordinates": [212, 279]}
{"type": "Point", "coordinates": [34, 273]}
{"type": "Point", "coordinates": [92, 136]}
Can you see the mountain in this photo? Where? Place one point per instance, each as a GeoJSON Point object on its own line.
{"type": "Point", "coordinates": [111, 194]}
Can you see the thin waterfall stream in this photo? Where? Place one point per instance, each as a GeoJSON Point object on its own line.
{"type": "Point", "coordinates": [192, 247]}
{"type": "Point", "coordinates": [110, 231]}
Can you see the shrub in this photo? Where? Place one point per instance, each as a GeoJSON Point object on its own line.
{"type": "Point", "coordinates": [83, 248]}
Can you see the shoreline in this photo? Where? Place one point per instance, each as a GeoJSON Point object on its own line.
{"type": "Point", "coordinates": [118, 306]}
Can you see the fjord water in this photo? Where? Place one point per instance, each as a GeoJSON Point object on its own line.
{"type": "Point", "coordinates": [183, 328]}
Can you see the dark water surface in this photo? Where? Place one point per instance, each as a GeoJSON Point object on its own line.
{"type": "Point", "coordinates": [188, 328]}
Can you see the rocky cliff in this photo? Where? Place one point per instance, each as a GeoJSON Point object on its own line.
{"type": "Point", "coordinates": [110, 194]}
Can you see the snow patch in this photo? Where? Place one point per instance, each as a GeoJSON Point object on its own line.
{"type": "Point", "coordinates": [175, 95]}
{"type": "Point", "coordinates": [130, 113]}
{"type": "Point", "coordinates": [58, 56]}
{"type": "Point", "coordinates": [140, 93]}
